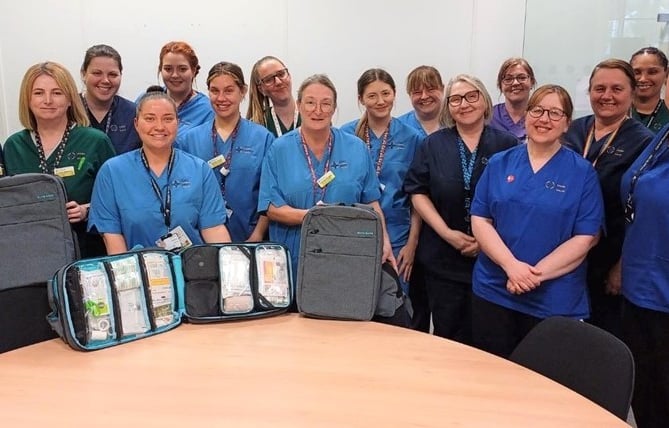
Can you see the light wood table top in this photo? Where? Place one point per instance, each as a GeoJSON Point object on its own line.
{"type": "Point", "coordinates": [283, 371]}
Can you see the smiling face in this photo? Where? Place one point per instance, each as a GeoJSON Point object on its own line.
{"type": "Point", "coordinates": [316, 107]}
{"type": "Point", "coordinates": [378, 99]}
{"type": "Point", "coordinates": [48, 101]}
{"type": "Point", "coordinates": [610, 94]}
{"type": "Point", "coordinates": [277, 89]}
{"type": "Point", "coordinates": [225, 96]}
{"type": "Point", "coordinates": [156, 124]}
{"type": "Point", "coordinates": [650, 75]}
{"type": "Point", "coordinates": [102, 79]}
{"type": "Point", "coordinates": [177, 73]}
{"type": "Point", "coordinates": [545, 130]}
{"type": "Point", "coordinates": [466, 113]}
{"type": "Point", "coordinates": [427, 101]}
{"type": "Point", "coordinates": [516, 84]}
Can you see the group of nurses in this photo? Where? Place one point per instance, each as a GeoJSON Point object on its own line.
{"type": "Point", "coordinates": [441, 182]}
{"type": "Point", "coordinates": [234, 148]}
{"type": "Point", "coordinates": [392, 146]}
{"type": "Point", "coordinates": [536, 212]}
{"type": "Point", "coordinates": [315, 163]}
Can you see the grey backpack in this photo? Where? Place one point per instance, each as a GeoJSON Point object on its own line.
{"type": "Point", "coordinates": [339, 268]}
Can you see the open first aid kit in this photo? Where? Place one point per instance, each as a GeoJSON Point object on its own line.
{"type": "Point", "coordinates": [105, 301]}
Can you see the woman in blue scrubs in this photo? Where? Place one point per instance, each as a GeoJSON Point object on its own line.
{"type": "Point", "coordinates": [645, 280]}
{"type": "Point", "coordinates": [536, 212]}
{"type": "Point", "coordinates": [426, 90]}
{"type": "Point", "coordinates": [441, 181]}
{"type": "Point", "coordinates": [234, 148]}
{"type": "Point", "coordinates": [392, 145]}
{"type": "Point", "coordinates": [178, 67]}
{"type": "Point", "coordinates": [107, 111]}
{"type": "Point", "coordinates": [610, 140]}
{"type": "Point", "coordinates": [295, 162]}
{"type": "Point", "coordinates": [157, 195]}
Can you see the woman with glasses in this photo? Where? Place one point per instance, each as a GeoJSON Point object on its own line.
{"type": "Point", "coordinates": [107, 111]}
{"type": "Point", "coordinates": [610, 140]}
{"type": "Point", "coordinates": [426, 90]}
{"type": "Point", "coordinates": [650, 70]}
{"type": "Point", "coordinates": [645, 280]}
{"type": "Point", "coordinates": [178, 67]}
{"type": "Point", "coordinates": [514, 80]}
{"type": "Point", "coordinates": [234, 148]}
{"type": "Point", "coordinates": [313, 164]}
{"type": "Point", "coordinates": [537, 211]}
{"type": "Point", "coordinates": [441, 182]}
{"type": "Point", "coordinates": [271, 102]}
{"type": "Point", "coordinates": [392, 145]}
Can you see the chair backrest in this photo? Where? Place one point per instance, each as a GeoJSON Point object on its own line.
{"type": "Point", "coordinates": [582, 357]}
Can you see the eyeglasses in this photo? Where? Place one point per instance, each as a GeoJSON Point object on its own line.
{"type": "Point", "coordinates": [554, 114]}
{"type": "Point", "coordinates": [311, 106]}
{"type": "Point", "coordinates": [271, 79]}
{"type": "Point", "coordinates": [470, 97]}
{"type": "Point", "coordinates": [521, 78]}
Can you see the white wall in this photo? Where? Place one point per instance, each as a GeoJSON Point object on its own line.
{"type": "Point", "coordinates": [342, 38]}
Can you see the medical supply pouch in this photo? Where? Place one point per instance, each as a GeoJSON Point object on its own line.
{"type": "Point", "coordinates": [36, 235]}
{"type": "Point", "coordinates": [339, 268]}
{"type": "Point", "coordinates": [105, 301]}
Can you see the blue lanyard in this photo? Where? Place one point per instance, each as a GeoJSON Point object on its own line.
{"type": "Point", "coordinates": [466, 165]}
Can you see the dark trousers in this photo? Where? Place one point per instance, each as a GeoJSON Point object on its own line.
{"type": "Point", "coordinates": [450, 304]}
{"type": "Point", "coordinates": [646, 332]}
{"type": "Point", "coordinates": [420, 319]}
{"type": "Point", "coordinates": [605, 309]}
{"type": "Point", "coordinates": [496, 329]}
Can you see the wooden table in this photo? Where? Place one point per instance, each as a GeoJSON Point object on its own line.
{"type": "Point", "coordinates": [283, 371]}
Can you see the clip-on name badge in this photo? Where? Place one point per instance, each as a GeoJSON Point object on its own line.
{"type": "Point", "coordinates": [174, 239]}
{"type": "Point", "coordinates": [325, 179]}
{"type": "Point", "coordinates": [66, 171]}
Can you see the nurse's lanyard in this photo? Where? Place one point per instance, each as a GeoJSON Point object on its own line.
{"type": "Point", "coordinates": [228, 157]}
{"type": "Point", "coordinates": [653, 115]}
{"type": "Point", "coordinates": [382, 150]}
{"type": "Point", "coordinates": [629, 202]}
{"type": "Point", "coordinates": [277, 126]}
{"type": "Point", "coordinates": [109, 113]}
{"type": "Point", "coordinates": [60, 150]}
{"type": "Point", "coordinates": [185, 100]}
{"type": "Point", "coordinates": [467, 170]}
{"type": "Point", "coordinates": [314, 180]}
{"type": "Point", "coordinates": [591, 137]}
{"type": "Point", "coordinates": [166, 205]}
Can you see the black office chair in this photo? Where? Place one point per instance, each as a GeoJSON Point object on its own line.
{"type": "Point", "coordinates": [582, 357]}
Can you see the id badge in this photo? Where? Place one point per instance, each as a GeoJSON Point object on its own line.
{"type": "Point", "coordinates": [216, 161]}
{"type": "Point", "coordinates": [66, 171]}
{"type": "Point", "coordinates": [325, 179]}
{"type": "Point", "coordinates": [175, 239]}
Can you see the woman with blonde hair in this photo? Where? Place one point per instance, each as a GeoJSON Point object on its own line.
{"type": "Point", "coordinates": [271, 102]}
{"type": "Point", "coordinates": [57, 140]}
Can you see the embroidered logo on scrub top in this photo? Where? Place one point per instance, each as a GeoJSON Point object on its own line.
{"type": "Point", "coordinates": [398, 146]}
{"type": "Point", "coordinates": [339, 164]}
{"type": "Point", "coordinates": [484, 160]}
{"type": "Point", "coordinates": [180, 183]}
{"type": "Point", "coordinates": [615, 151]}
{"type": "Point", "coordinates": [244, 149]}
{"type": "Point", "coordinates": [551, 185]}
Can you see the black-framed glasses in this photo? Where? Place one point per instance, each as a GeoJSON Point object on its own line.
{"type": "Point", "coordinates": [470, 97]}
{"type": "Point", "coordinates": [271, 79]}
{"type": "Point", "coordinates": [521, 78]}
{"type": "Point", "coordinates": [554, 114]}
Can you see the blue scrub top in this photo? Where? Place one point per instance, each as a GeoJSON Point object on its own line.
{"type": "Point", "coordinates": [124, 202]}
{"type": "Point", "coordinates": [645, 254]}
{"type": "Point", "coordinates": [242, 183]}
{"type": "Point", "coordinates": [286, 180]}
{"type": "Point", "coordinates": [411, 121]}
{"type": "Point", "coordinates": [534, 213]}
{"type": "Point", "coordinates": [403, 143]}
